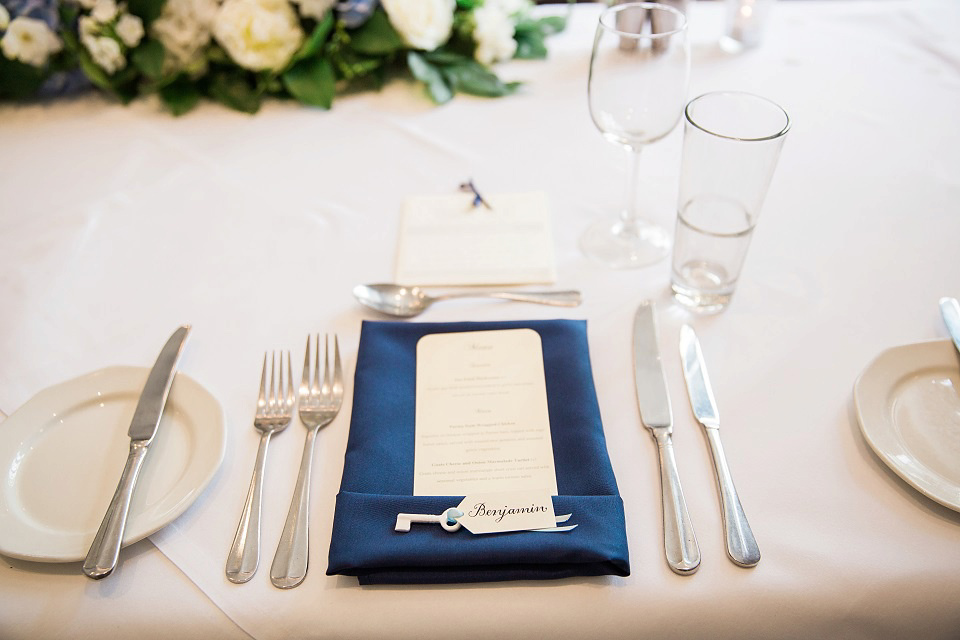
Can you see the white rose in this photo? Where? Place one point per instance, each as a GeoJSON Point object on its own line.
{"type": "Point", "coordinates": [315, 9]}
{"type": "Point", "coordinates": [104, 11]}
{"type": "Point", "coordinates": [423, 24]}
{"type": "Point", "coordinates": [106, 53]}
{"type": "Point", "coordinates": [493, 34]}
{"type": "Point", "coordinates": [130, 29]}
{"type": "Point", "coordinates": [184, 28]}
{"type": "Point", "coordinates": [30, 41]}
{"type": "Point", "coordinates": [4, 17]}
{"type": "Point", "coordinates": [258, 34]}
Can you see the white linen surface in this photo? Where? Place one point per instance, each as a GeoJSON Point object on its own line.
{"type": "Point", "coordinates": [118, 223]}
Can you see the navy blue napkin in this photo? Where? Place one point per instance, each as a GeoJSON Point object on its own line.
{"type": "Point", "coordinates": [378, 473]}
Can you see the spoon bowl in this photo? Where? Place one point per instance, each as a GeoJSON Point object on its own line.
{"type": "Point", "coordinates": [406, 302]}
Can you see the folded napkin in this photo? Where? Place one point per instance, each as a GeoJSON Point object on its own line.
{"type": "Point", "coordinates": [378, 473]}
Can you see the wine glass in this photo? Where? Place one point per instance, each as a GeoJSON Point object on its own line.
{"type": "Point", "coordinates": [636, 90]}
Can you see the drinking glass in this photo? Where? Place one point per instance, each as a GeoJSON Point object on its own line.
{"type": "Point", "coordinates": [731, 144]}
{"type": "Point", "coordinates": [636, 91]}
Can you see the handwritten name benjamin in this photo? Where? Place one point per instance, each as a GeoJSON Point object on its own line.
{"type": "Point", "coordinates": [480, 510]}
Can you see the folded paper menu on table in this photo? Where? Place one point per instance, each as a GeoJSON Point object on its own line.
{"type": "Point", "coordinates": [378, 474]}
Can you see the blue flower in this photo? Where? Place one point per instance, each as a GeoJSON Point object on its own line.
{"type": "Point", "coordinates": [356, 12]}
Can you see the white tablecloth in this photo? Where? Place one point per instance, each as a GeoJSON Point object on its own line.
{"type": "Point", "coordinates": [118, 223]}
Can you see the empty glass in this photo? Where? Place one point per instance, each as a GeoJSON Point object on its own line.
{"type": "Point", "coordinates": [636, 92]}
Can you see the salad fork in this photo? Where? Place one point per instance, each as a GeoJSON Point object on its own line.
{"type": "Point", "coordinates": [319, 405]}
{"type": "Point", "coordinates": [274, 413]}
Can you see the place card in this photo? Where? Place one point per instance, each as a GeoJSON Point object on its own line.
{"type": "Point", "coordinates": [447, 241]}
{"type": "Point", "coordinates": [502, 512]}
{"type": "Point", "coordinates": [481, 416]}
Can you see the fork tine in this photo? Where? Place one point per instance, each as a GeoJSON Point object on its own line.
{"type": "Point", "coordinates": [305, 378]}
{"type": "Point", "coordinates": [337, 369]}
{"type": "Point", "coordinates": [291, 399]}
{"type": "Point", "coordinates": [315, 388]}
{"type": "Point", "coordinates": [262, 399]}
{"type": "Point", "coordinates": [326, 366]}
{"type": "Point", "coordinates": [273, 387]}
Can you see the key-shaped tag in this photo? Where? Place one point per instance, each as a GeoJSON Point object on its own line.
{"type": "Point", "coordinates": [447, 519]}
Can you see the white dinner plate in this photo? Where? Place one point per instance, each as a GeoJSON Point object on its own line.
{"type": "Point", "coordinates": [62, 453]}
{"type": "Point", "coordinates": [908, 403]}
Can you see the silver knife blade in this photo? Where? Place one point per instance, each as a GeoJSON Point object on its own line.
{"type": "Point", "coordinates": [146, 417]}
{"type": "Point", "coordinates": [651, 383]}
{"type": "Point", "coordinates": [950, 310]}
{"type": "Point", "coordinates": [105, 549]}
{"type": "Point", "coordinates": [698, 382]}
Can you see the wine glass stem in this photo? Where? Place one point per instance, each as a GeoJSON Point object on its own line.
{"type": "Point", "coordinates": [629, 213]}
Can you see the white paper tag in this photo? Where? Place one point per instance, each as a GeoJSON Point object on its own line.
{"type": "Point", "coordinates": [513, 511]}
{"type": "Point", "coordinates": [482, 423]}
{"type": "Point", "coordinates": [445, 241]}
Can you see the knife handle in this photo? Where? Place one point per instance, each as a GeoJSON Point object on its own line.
{"type": "Point", "coordinates": [679, 540]}
{"type": "Point", "coordinates": [741, 544]}
{"type": "Point", "coordinates": [244, 555]}
{"type": "Point", "coordinates": [103, 554]}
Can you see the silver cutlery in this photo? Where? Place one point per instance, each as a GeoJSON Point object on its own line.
{"type": "Point", "coordinates": [319, 405]}
{"type": "Point", "coordinates": [103, 554]}
{"type": "Point", "coordinates": [950, 310]}
{"type": "Point", "coordinates": [740, 541]}
{"type": "Point", "coordinates": [679, 539]}
{"type": "Point", "coordinates": [406, 302]}
{"type": "Point", "coordinates": [274, 413]}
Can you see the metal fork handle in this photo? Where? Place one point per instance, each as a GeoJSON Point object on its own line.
{"type": "Point", "coordinates": [551, 298]}
{"type": "Point", "coordinates": [102, 557]}
{"type": "Point", "coordinates": [741, 543]}
{"type": "Point", "coordinates": [679, 540]}
{"type": "Point", "coordinates": [244, 555]}
{"type": "Point", "coordinates": [293, 552]}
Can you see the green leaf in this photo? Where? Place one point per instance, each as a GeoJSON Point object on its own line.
{"type": "Point", "coordinates": [443, 57]}
{"type": "Point", "coordinates": [377, 36]}
{"type": "Point", "coordinates": [19, 80]}
{"type": "Point", "coordinates": [148, 58]}
{"type": "Point", "coordinates": [312, 82]}
{"type": "Point", "coordinates": [318, 37]}
{"type": "Point", "coordinates": [473, 78]}
{"type": "Point", "coordinates": [234, 91]}
{"type": "Point", "coordinates": [466, 4]}
{"type": "Point", "coordinates": [180, 96]}
{"type": "Point", "coordinates": [438, 87]}
{"type": "Point", "coordinates": [530, 45]}
{"type": "Point", "coordinates": [147, 10]}
{"type": "Point", "coordinates": [551, 25]}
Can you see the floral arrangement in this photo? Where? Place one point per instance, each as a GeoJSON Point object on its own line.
{"type": "Point", "coordinates": [240, 52]}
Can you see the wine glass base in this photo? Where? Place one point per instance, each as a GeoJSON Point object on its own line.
{"type": "Point", "coordinates": [617, 245]}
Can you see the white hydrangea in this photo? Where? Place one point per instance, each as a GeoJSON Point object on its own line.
{"type": "Point", "coordinates": [4, 17]}
{"type": "Point", "coordinates": [423, 24]}
{"type": "Point", "coordinates": [130, 29]}
{"type": "Point", "coordinates": [493, 34]}
{"type": "Point", "coordinates": [315, 9]}
{"type": "Point", "coordinates": [184, 28]}
{"type": "Point", "coordinates": [30, 41]}
{"type": "Point", "coordinates": [512, 7]}
{"type": "Point", "coordinates": [258, 34]}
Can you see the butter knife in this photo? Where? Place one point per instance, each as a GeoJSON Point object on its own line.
{"type": "Point", "coordinates": [679, 540]}
{"type": "Point", "coordinates": [740, 541]}
{"type": "Point", "coordinates": [950, 310]}
{"type": "Point", "coordinates": [102, 556]}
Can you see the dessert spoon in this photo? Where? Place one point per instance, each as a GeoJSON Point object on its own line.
{"type": "Point", "coordinates": [406, 302]}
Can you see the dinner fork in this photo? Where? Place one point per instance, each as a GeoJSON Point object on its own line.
{"type": "Point", "coordinates": [274, 413]}
{"type": "Point", "coordinates": [319, 405]}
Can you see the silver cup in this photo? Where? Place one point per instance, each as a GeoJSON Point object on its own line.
{"type": "Point", "coordinates": [731, 144]}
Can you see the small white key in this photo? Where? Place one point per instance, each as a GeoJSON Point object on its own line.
{"type": "Point", "coordinates": [447, 519]}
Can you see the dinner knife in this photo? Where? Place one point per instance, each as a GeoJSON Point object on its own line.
{"type": "Point", "coordinates": [950, 310]}
{"type": "Point", "coordinates": [102, 556]}
{"type": "Point", "coordinates": [679, 539]}
{"type": "Point", "coordinates": [740, 541]}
